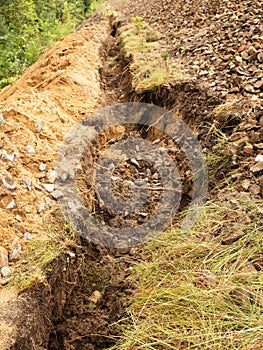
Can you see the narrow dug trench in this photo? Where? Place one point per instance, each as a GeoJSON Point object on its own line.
{"type": "Point", "coordinates": [85, 292]}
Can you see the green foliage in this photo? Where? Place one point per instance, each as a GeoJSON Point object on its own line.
{"type": "Point", "coordinates": [27, 27]}
{"type": "Point", "coordinates": [165, 55]}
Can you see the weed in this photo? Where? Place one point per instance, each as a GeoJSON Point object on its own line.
{"type": "Point", "coordinates": [139, 22]}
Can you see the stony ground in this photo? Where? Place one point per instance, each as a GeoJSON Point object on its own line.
{"type": "Point", "coordinates": [219, 42]}
{"type": "Point", "coordinates": [219, 45]}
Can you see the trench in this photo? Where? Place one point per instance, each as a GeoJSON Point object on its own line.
{"type": "Point", "coordinates": [86, 290]}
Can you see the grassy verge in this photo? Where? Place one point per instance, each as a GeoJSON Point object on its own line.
{"type": "Point", "coordinates": [151, 66]}
{"type": "Point", "coordinates": [39, 254]}
{"type": "Point", "coordinates": [201, 289]}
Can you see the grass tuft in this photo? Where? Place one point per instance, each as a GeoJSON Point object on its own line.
{"type": "Point", "coordinates": [195, 292]}
{"type": "Point", "coordinates": [150, 66]}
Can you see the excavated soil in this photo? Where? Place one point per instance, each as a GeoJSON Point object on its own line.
{"type": "Point", "coordinates": [38, 110]}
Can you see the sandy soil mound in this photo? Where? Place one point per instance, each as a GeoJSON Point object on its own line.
{"type": "Point", "coordinates": [36, 112]}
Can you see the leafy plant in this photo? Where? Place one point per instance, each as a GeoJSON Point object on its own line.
{"type": "Point", "coordinates": [27, 27]}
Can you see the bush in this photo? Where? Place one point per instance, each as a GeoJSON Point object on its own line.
{"type": "Point", "coordinates": [27, 27]}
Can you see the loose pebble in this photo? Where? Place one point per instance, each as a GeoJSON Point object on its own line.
{"type": "Point", "coordinates": [5, 281]}
{"type": "Point", "coordinates": [27, 236]}
{"type": "Point", "coordinates": [48, 202]}
{"type": "Point", "coordinates": [38, 127]}
{"type": "Point", "coordinates": [30, 149]}
{"type": "Point", "coordinates": [9, 156]}
{"type": "Point", "coordinates": [5, 271]}
{"type": "Point", "coordinates": [51, 176]}
{"type": "Point", "coordinates": [28, 184]}
{"type": "Point", "coordinates": [49, 187]}
{"type": "Point", "coordinates": [41, 208]}
{"type": "Point", "coordinates": [11, 205]}
{"type": "Point", "coordinates": [57, 194]}
{"type": "Point", "coordinates": [15, 254]}
{"type": "Point", "coordinates": [134, 161]}
{"type": "Point", "coordinates": [15, 242]}
{"type": "Point", "coordinates": [259, 158]}
{"type": "Point", "coordinates": [8, 182]}
{"type": "Point", "coordinates": [42, 167]}
{"type": "Point", "coordinates": [19, 218]}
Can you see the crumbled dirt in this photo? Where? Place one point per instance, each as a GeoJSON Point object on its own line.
{"type": "Point", "coordinates": [92, 294]}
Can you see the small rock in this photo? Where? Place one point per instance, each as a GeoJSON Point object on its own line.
{"type": "Point", "coordinates": [155, 176]}
{"type": "Point", "coordinates": [48, 202]}
{"type": "Point", "coordinates": [95, 296]}
{"type": "Point", "coordinates": [248, 148]}
{"type": "Point", "coordinates": [241, 295]}
{"type": "Point", "coordinates": [38, 127]}
{"type": "Point", "coordinates": [239, 59]}
{"type": "Point", "coordinates": [259, 84]}
{"type": "Point", "coordinates": [5, 281]}
{"type": "Point", "coordinates": [15, 254]}
{"type": "Point", "coordinates": [232, 238]}
{"type": "Point", "coordinates": [72, 206]}
{"type": "Point", "coordinates": [11, 205]}
{"type": "Point", "coordinates": [257, 167]}
{"type": "Point", "coordinates": [134, 161]}
{"type": "Point", "coordinates": [51, 176]}
{"type": "Point", "coordinates": [3, 257]}
{"type": "Point", "coordinates": [15, 242]}
{"type": "Point", "coordinates": [5, 271]}
{"type": "Point", "coordinates": [260, 57]}
{"type": "Point", "coordinates": [42, 167]}
{"type": "Point", "coordinates": [259, 158]}
{"type": "Point", "coordinates": [57, 194]}
{"type": "Point", "coordinates": [8, 182]}
{"type": "Point", "coordinates": [249, 88]}
{"type": "Point", "coordinates": [49, 187]}
{"type": "Point", "coordinates": [244, 55]}
{"type": "Point", "coordinates": [1, 118]}
{"type": "Point", "coordinates": [30, 149]}
{"type": "Point", "coordinates": [28, 184]}
{"type": "Point", "coordinates": [206, 279]}
{"type": "Point", "coordinates": [19, 218]}
{"type": "Point", "coordinates": [41, 208]}
{"type": "Point", "coordinates": [27, 236]}
{"type": "Point", "coordinates": [9, 156]}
